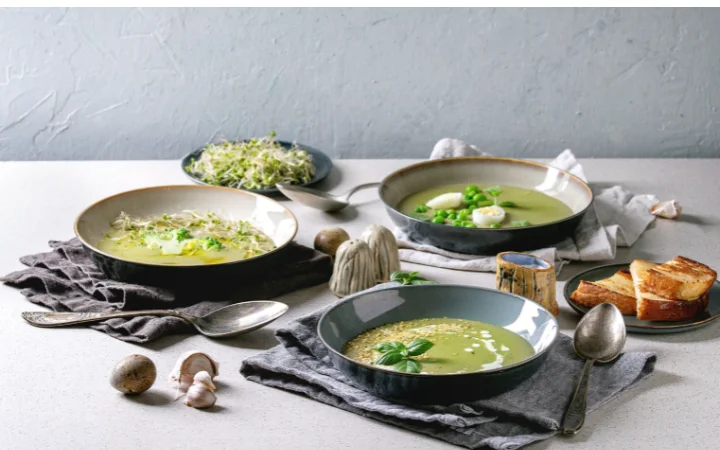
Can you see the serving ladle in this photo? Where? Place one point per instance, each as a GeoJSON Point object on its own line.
{"type": "Point", "coordinates": [227, 321]}
{"type": "Point", "coordinates": [599, 336]}
{"type": "Point", "coordinates": [317, 199]}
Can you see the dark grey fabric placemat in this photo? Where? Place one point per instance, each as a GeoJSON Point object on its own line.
{"type": "Point", "coordinates": [529, 413]}
{"type": "Point", "coordinates": [65, 279]}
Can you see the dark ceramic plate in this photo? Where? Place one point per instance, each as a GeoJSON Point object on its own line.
{"type": "Point", "coordinates": [633, 324]}
{"type": "Point", "coordinates": [486, 170]}
{"type": "Point", "coordinates": [360, 312]}
{"type": "Point", "coordinates": [322, 162]}
{"type": "Point", "coordinates": [266, 214]}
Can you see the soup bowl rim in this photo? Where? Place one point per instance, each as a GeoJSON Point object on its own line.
{"type": "Point", "coordinates": [509, 367]}
{"type": "Point", "coordinates": [94, 248]}
{"type": "Point", "coordinates": [401, 171]}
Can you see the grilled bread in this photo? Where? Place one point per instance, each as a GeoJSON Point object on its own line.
{"type": "Point", "coordinates": [680, 279]}
{"type": "Point", "coordinates": [618, 290]}
{"type": "Point", "coordinates": [651, 306]}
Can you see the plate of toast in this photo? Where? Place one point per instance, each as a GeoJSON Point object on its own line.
{"type": "Point", "coordinates": [677, 295]}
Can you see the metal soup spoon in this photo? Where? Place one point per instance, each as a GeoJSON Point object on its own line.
{"type": "Point", "coordinates": [600, 336]}
{"type": "Point", "coordinates": [228, 321]}
{"type": "Point", "coordinates": [317, 199]}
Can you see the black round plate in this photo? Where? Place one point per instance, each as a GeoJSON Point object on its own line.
{"type": "Point", "coordinates": [633, 324]}
{"type": "Point", "coordinates": [322, 162]}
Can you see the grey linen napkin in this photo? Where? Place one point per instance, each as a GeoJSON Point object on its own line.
{"type": "Point", "coordinates": [617, 218]}
{"type": "Point", "coordinates": [529, 413]}
{"type": "Point", "coordinates": [65, 279]}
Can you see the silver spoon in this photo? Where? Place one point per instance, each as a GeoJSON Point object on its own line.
{"type": "Point", "coordinates": [228, 321]}
{"type": "Point", "coordinates": [317, 199]}
{"type": "Point", "coordinates": [600, 336]}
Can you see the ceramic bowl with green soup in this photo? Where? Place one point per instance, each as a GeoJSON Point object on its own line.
{"type": "Point", "coordinates": [437, 343]}
{"type": "Point", "coordinates": [485, 205]}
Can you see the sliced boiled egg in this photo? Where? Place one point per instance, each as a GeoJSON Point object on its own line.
{"type": "Point", "coordinates": [451, 200]}
{"type": "Point", "coordinates": [484, 217]}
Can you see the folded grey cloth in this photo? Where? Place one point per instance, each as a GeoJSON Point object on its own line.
{"type": "Point", "coordinates": [529, 413]}
{"type": "Point", "coordinates": [65, 279]}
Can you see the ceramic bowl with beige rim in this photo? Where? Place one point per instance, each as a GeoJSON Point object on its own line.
{"type": "Point", "coordinates": [560, 189]}
{"type": "Point", "coordinates": [264, 214]}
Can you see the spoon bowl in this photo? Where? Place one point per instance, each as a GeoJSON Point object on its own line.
{"type": "Point", "coordinates": [317, 199]}
{"type": "Point", "coordinates": [227, 321]}
{"type": "Point", "coordinates": [599, 336]}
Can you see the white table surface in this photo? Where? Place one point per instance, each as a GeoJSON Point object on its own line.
{"type": "Point", "coordinates": [54, 390]}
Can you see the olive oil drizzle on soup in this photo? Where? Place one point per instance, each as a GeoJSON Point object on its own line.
{"type": "Point", "coordinates": [529, 207]}
{"type": "Point", "coordinates": [460, 346]}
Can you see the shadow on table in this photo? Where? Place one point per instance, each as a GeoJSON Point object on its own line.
{"type": "Point", "coordinates": [151, 398]}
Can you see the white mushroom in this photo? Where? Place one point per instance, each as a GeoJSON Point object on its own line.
{"type": "Point", "coordinates": [201, 392]}
{"type": "Point", "coordinates": [189, 364]}
{"type": "Point", "coordinates": [669, 210]}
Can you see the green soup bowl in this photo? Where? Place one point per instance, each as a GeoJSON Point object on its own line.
{"type": "Point", "coordinates": [366, 310]}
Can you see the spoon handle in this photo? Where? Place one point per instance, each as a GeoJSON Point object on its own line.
{"type": "Point", "coordinates": [357, 188]}
{"type": "Point", "coordinates": [60, 319]}
{"type": "Point", "coordinates": [575, 414]}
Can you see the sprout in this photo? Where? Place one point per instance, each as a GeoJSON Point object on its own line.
{"type": "Point", "coordinates": [256, 164]}
{"type": "Point", "coordinates": [196, 231]}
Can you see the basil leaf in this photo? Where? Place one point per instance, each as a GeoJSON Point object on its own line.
{"type": "Point", "coordinates": [507, 204]}
{"type": "Point", "coordinates": [408, 366]}
{"type": "Point", "coordinates": [390, 346]}
{"type": "Point", "coordinates": [418, 347]}
{"type": "Point", "coordinates": [389, 358]}
{"type": "Point", "coordinates": [423, 282]}
{"type": "Point", "coordinates": [397, 276]}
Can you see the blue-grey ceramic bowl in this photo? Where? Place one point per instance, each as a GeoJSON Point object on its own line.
{"type": "Point", "coordinates": [322, 162]}
{"type": "Point", "coordinates": [556, 183]}
{"type": "Point", "coordinates": [360, 312]}
{"type": "Point", "coordinates": [266, 214]}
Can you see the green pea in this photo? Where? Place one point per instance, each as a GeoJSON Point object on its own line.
{"type": "Point", "coordinates": [438, 220]}
{"type": "Point", "coordinates": [472, 188]}
{"type": "Point", "coordinates": [464, 211]}
{"type": "Point", "coordinates": [462, 215]}
{"type": "Point", "coordinates": [457, 223]}
{"type": "Point", "coordinates": [472, 206]}
{"type": "Point", "coordinates": [495, 225]}
{"type": "Point", "coordinates": [452, 215]}
{"type": "Point", "coordinates": [441, 213]}
{"type": "Point", "coordinates": [421, 209]}
{"type": "Point", "coordinates": [468, 197]}
{"type": "Point", "coordinates": [477, 198]}
{"type": "Point", "coordinates": [469, 225]}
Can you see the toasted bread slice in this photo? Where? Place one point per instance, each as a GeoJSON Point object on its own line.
{"type": "Point", "coordinates": [618, 290]}
{"type": "Point", "coordinates": [679, 279]}
{"type": "Point", "coordinates": [651, 306]}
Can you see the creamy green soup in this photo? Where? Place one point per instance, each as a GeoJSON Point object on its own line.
{"type": "Point", "coordinates": [186, 238]}
{"type": "Point", "coordinates": [459, 346]}
{"type": "Point", "coordinates": [512, 206]}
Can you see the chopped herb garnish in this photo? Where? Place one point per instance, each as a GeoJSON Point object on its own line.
{"type": "Point", "coordinates": [520, 223]}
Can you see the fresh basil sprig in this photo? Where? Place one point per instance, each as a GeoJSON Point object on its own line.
{"type": "Point", "coordinates": [409, 278]}
{"type": "Point", "coordinates": [399, 356]}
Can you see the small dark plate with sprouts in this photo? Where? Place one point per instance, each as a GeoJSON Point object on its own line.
{"type": "Point", "coordinates": [257, 165]}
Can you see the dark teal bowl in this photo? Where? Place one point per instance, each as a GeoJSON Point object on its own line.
{"type": "Point", "coordinates": [360, 312]}
{"type": "Point", "coordinates": [556, 183]}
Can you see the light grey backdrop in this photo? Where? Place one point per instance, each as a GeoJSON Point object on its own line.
{"type": "Point", "coordinates": [157, 83]}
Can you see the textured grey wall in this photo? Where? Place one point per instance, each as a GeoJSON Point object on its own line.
{"type": "Point", "coordinates": [156, 83]}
